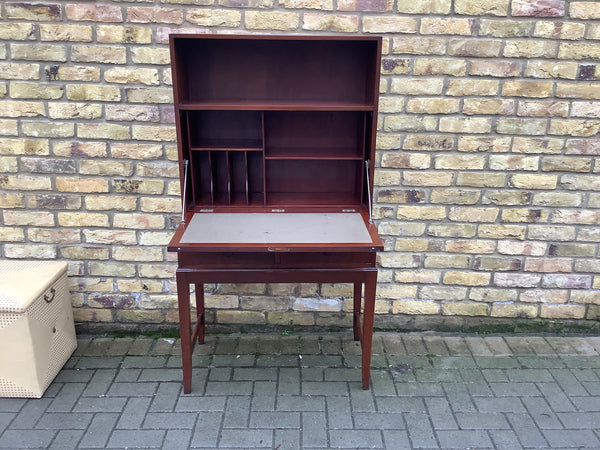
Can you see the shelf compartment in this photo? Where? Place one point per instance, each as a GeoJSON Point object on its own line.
{"type": "Point", "coordinates": [227, 178]}
{"type": "Point", "coordinates": [314, 135]}
{"type": "Point", "coordinates": [332, 70]}
{"type": "Point", "coordinates": [224, 130]}
{"type": "Point", "coordinates": [313, 182]}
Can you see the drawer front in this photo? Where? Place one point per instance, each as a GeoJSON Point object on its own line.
{"type": "Point", "coordinates": [276, 260]}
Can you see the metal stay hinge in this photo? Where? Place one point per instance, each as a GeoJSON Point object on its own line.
{"type": "Point", "coordinates": [369, 192]}
{"type": "Point", "coordinates": [185, 178]}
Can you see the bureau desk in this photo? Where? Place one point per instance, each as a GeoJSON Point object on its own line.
{"type": "Point", "coordinates": [276, 143]}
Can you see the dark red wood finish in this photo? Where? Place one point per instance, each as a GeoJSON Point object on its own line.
{"type": "Point", "coordinates": [274, 124]}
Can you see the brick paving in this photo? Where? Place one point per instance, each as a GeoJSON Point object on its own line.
{"type": "Point", "coordinates": [429, 391]}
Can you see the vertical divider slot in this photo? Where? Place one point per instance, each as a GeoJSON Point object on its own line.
{"type": "Point", "coordinates": [264, 163]}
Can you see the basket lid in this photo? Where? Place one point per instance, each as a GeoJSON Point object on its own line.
{"type": "Point", "coordinates": [21, 282]}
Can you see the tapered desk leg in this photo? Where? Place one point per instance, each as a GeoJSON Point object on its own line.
{"type": "Point", "coordinates": [356, 310]}
{"type": "Point", "coordinates": [200, 311]}
{"type": "Point", "coordinates": [183, 299]}
{"type": "Point", "coordinates": [367, 329]}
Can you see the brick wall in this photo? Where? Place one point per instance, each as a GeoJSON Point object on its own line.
{"type": "Point", "coordinates": [487, 182]}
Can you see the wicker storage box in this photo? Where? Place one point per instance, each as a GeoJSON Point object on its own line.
{"type": "Point", "coordinates": [37, 334]}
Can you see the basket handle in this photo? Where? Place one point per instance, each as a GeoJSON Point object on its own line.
{"type": "Point", "coordinates": [50, 297]}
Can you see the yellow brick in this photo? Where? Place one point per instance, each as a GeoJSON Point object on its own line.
{"type": "Point", "coordinates": [415, 307]}
{"type": "Point", "coordinates": [38, 52]}
{"type": "Point", "coordinates": [501, 69]}
{"type": "Point", "coordinates": [426, 178]}
{"type": "Point", "coordinates": [425, 7]}
{"type": "Point", "coordinates": [43, 219]}
{"type": "Point", "coordinates": [281, 21]}
{"type": "Point", "coordinates": [25, 183]}
{"type": "Point", "coordinates": [578, 51]}
{"type": "Point", "coordinates": [455, 196]}
{"type": "Point", "coordinates": [126, 75]}
{"type": "Point", "coordinates": [562, 311]}
{"type": "Point", "coordinates": [79, 92]}
{"type": "Point", "coordinates": [501, 231]}
{"type": "Point", "coordinates": [460, 162]}
{"type": "Point", "coordinates": [481, 7]}
{"type": "Point", "coordinates": [117, 34]}
{"type": "Point", "coordinates": [421, 212]}
{"type": "Point", "coordinates": [60, 32]}
{"type": "Point", "coordinates": [155, 237]}
{"type": "Point", "coordinates": [78, 149]}
{"type": "Point", "coordinates": [559, 30]}
{"type": "Point", "coordinates": [551, 69]}
{"type": "Point", "coordinates": [491, 295]}
{"type": "Point", "coordinates": [241, 317]}
{"type": "Point", "coordinates": [574, 127]}
{"type": "Point", "coordinates": [514, 310]}
{"type": "Point", "coordinates": [514, 162]}
{"type": "Point", "coordinates": [138, 221]}
{"type": "Point", "coordinates": [146, 55]}
{"type": "Point", "coordinates": [290, 318]}
{"type": "Point", "coordinates": [419, 45]}
{"type": "Point", "coordinates": [470, 246]}
{"type": "Point", "coordinates": [535, 89]}
{"type": "Point", "coordinates": [417, 86]}
{"type": "Point", "coordinates": [137, 254]}
{"type": "Point", "coordinates": [99, 54]}
{"type": "Point", "coordinates": [421, 276]}
{"type": "Point", "coordinates": [465, 87]}
{"type": "Point", "coordinates": [329, 22]}
{"type": "Point", "coordinates": [35, 90]}
{"type": "Point", "coordinates": [483, 144]}
{"type": "Point", "coordinates": [74, 110]}
{"type": "Point", "coordinates": [584, 10]}
{"type": "Point", "coordinates": [75, 73]}
{"type": "Point", "coordinates": [464, 309]}
{"type": "Point", "coordinates": [535, 145]}
{"type": "Point", "coordinates": [472, 48]}
{"type": "Point", "coordinates": [432, 105]}
{"type": "Point", "coordinates": [138, 186]}
{"type": "Point", "coordinates": [9, 200]}
{"type": "Point", "coordinates": [442, 25]}
{"type": "Point", "coordinates": [406, 160]}
{"type": "Point", "coordinates": [137, 316]}
{"type": "Point", "coordinates": [48, 129]}
{"type": "Point", "coordinates": [529, 49]}
{"type": "Point", "coordinates": [389, 24]}
{"type": "Point", "coordinates": [103, 131]}
{"type": "Point", "coordinates": [16, 31]}
{"type": "Point", "coordinates": [428, 142]}
{"type": "Point", "coordinates": [504, 28]}
{"type": "Point", "coordinates": [149, 95]}
{"type": "Point", "coordinates": [113, 237]}
{"type": "Point", "coordinates": [92, 315]}
{"type": "Point", "coordinates": [87, 185]}
{"type": "Point", "coordinates": [81, 219]}
{"type": "Point", "coordinates": [135, 151]}
{"type": "Point", "coordinates": [465, 125]}
{"type": "Point", "coordinates": [9, 234]}
{"type": "Point", "coordinates": [22, 109]}
{"type": "Point", "coordinates": [543, 108]}
{"type": "Point", "coordinates": [524, 215]}
{"type": "Point", "coordinates": [110, 202]}
{"type": "Point", "coordinates": [12, 71]}
{"type": "Point", "coordinates": [440, 67]}
{"type": "Point", "coordinates": [21, 251]}
{"type": "Point", "coordinates": [509, 125]}
{"type": "Point", "coordinates": [488, 106]}
{"type": "Point", "coordinates": [170, 205]}
{"type": "Point", "coordinates": [153, 133]}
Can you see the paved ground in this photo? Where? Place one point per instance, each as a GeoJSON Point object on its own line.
{"type": "Point", "coordinates": [303, 391]}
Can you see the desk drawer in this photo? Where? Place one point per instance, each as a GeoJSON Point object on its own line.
{"type": "Point", "coordinates": [275, 260]}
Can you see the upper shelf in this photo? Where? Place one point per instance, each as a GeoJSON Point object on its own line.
{"type": "Point", "coordinates": [251, 73]}
{"type": "Point", "coordinates": [272, 105]}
